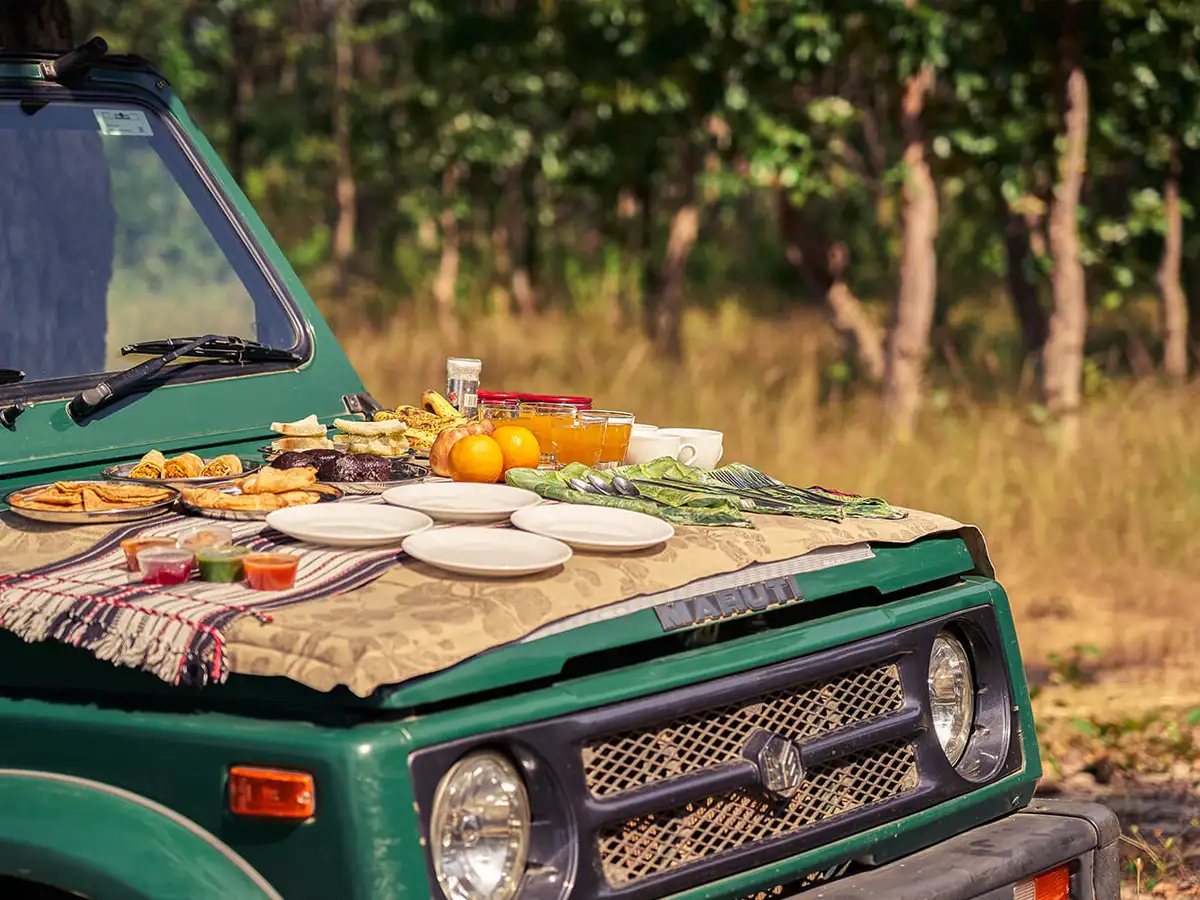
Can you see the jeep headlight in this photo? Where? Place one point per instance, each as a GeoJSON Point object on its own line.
{"type": "Point", "coordinates": [951, 695]}
{"type": "Point", "coordinates": [479, 829]}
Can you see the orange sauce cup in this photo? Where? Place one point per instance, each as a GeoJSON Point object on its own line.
{"type": "Point", "coordinates": [270, 571]}
{"type": "Point", "coordinates": [132, 545]}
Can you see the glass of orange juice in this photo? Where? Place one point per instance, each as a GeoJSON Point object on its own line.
{"type": "Point", "coordinates": [617, 430]}
{"type": "Point", "coordinates": [541, 418]}
{"type": "Point", "coordinates": [580, 440]}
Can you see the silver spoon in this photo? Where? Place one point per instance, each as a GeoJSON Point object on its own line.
{"type": "Point", "coordinates": [581, 485]}
{"type": "Point", "coordinates": [601, 485]}
{"type": "Point", "coordinates": [625, 486]}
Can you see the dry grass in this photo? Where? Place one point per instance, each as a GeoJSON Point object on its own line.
{"type": "Point", "coordinates": [1099, 550]}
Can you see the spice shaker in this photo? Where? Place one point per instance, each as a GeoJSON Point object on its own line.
{"type": "Point", "coordinates": [462, 384]}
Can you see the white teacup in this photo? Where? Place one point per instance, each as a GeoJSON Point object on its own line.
{"type": "Point", "coordinates": [643, 428]}
{"type": "Point", "coordinates": [650, 445]}
{"type": "Point", "coordinates": [710, 445]}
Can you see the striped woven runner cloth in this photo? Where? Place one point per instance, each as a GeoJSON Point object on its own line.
{"type": "Point", "coordinates": [92, 601]}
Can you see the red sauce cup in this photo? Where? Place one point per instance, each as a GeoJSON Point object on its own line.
{"type": "Point", "coordinates": [270, 571]}
{"type": "Point", "coordinates": [165, 565]}
{"type": "Point", "coordinates": [132, 545]}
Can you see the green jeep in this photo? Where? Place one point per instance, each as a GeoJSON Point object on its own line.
{"type": "Point", "coordinates": [831, 710]}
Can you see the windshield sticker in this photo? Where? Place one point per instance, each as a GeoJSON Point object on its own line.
{"type": "Point", "coordinates": [123, 122]}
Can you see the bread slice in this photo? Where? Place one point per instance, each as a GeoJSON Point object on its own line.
{"type": "Point", "coordinates": [279, 445]}
{"type": "Point", "coordinates": [385, 428]}
{"type": "Point", "coordinates": [306, 427]}
{"type": "Point", "coordinates": [386, 445]}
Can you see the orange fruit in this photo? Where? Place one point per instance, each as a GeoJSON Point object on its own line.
{"type": "Point", "coordinates": [519, 446]}
{"type": "Point", "coordinates": [476, 457]}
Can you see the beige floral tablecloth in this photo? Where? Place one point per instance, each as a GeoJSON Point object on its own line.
{"type": "Point", "coordinates": [414, 620]}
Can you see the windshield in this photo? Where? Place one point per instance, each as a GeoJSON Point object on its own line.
{"type": "Point", "coordinates": [109, 236]}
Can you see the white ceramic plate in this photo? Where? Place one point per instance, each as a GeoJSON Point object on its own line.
{"type": "Point", "coordinates": [487, 552]}
{"type": "Point", "coordinates": [451, 501]}
{"type": "Point", "coordinates": [348, 524]}
{"type": "Point", "coordinates": [600, 528]}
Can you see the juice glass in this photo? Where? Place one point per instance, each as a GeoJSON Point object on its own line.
{"type": "Point", "coordinates": [617, 430]}
{"type": "Point", "coordinates": [541, 419]}
{"type": "Point", "coordinates": [580, 440]}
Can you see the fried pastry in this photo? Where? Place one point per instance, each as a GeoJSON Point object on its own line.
{"type": "Point", "coordinates": [152, 465]}
{"type": "Point", "coordinates": [223, 466]}
{"type": "Point", "coordinates": [186, 465]}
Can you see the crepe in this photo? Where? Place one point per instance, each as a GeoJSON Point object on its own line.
{"type": "Point", "coordinates": [222, 466]}
{"type": "Point", "coordinates": [277, 481]}
{"type": "Point", "coordinates": [211, 498]}
{"type": "Point", "coordinates": [152, 465]}
{"type": "Point", "coordinates": [73, 496]}
{"type": "Point", "coordinates": [187, 465]}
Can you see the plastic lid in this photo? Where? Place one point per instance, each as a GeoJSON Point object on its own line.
{"type": "Point", "coordinates": [164, 555]}
{"type": "Point", "coordinates": [221, 554]}
{"type": "Point", "coordinates": [548, 398]}
{"type": "Point", "coordinates": [496, 395]}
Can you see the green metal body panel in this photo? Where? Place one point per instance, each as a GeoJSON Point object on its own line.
{"type": "Point", "coordinates": [364, 840]}
{"type": "Point", "coordinates": [62, 713]}
{"type": "Point", "coordinates": [102, 842]}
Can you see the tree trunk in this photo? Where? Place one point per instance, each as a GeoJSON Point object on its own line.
{"type": "Point", "coordinates": [1062, 358]}
{"type": "Point", "coordinates": [445, 283]}
{"type": "Point", "coordinates": [57, 226]}
{"type": "Point", "coordinates": [666, 303]}
{"type": "Point", "coordinates": [516, 232]}
{"type": "Point", "coordinates": [241, 89]}
{"type": "Point", "coordinates": [346, 191]}
{"type": "Point", "coordinates": [1171, 296]}
{"type": "Point", "coordinates": [823, 265]}
{"type": "Point", "coordinates": [915, 300]}
{"type": "Point", "coordinates": [36, 24]}
{"type": "Point", "coordinates": [1022, 289]}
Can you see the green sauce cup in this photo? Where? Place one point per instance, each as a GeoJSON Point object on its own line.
{"type": "Point", "coordinates": [221, 564]}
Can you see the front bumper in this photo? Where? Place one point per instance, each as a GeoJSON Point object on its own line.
{"type": "Point", "coordinates": [986, 862]}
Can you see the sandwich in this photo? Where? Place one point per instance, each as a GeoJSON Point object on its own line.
{"type": "Point", "coordinates": [384, 438]}
{"type": "Point", "coordinates": [304, 434]}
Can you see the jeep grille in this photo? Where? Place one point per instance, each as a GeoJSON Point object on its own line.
{"type": "Point", "coordinates": [635, 759]}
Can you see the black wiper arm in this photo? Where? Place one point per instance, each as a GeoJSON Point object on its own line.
{"type": "Point", "coordinates": [11, 376]}
{"type": "Point", "coordinates": [87, 402]}
{"type": "Point", "coordinates": [211, 346]}
{"type": "Point", "coordinates": [227, 349]}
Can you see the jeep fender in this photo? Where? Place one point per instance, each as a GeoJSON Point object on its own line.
{"type": "Point", "coordinates": [106, 843]}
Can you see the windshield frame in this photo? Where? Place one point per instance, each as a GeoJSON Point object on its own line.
{"type": "Point", "coordinates": [66, 387]}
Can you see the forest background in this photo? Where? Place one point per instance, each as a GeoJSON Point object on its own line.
{"type": "Point", "coordinates": [946, 252]}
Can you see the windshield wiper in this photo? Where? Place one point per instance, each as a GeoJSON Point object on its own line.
{"type": "Point", "coordinates": [11, 376]}
{"type": "Point", "coordinates": [211, 346]}
{"type": "Point", "coordinates": [227, 349]}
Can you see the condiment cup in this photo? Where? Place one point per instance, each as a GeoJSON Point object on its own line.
{"type": "Point", "coordinates": [202, 536]}
{"type": "Point", "coordinates": [165, 565]}
{"type": "Point", "coordinates": [222, 565]}
{"type": "Point", "coordinates": [270, 571]}
{"type": "Point", "coordinates": [653, 445]}
{"type": "Point", "coordinates": [132, 545]}
{"type": "Point", "coordinates": [710, 445]}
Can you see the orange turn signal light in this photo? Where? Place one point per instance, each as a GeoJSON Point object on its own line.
{"type": "Point", "coordinates": [1052, 885]}
{"type": "Point", "coordinates": [271, 793]}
